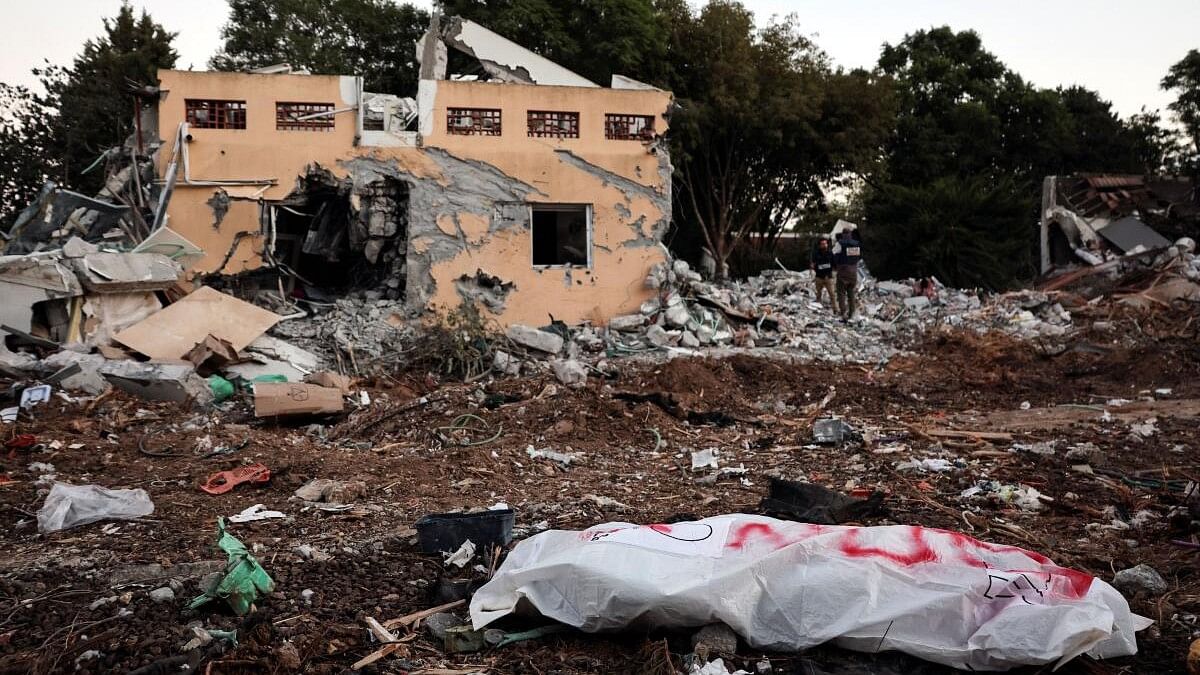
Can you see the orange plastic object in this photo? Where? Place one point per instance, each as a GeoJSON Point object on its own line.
{"type": "Point", "coordinates": [223, 481]}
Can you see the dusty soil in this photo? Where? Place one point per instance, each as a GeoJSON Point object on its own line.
{"type": "Point", "coordinates": [411, 463]}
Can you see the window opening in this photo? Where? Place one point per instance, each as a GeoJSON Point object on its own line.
{"type": "Point", "coordinates": [629, 127]}
{"type": "Point", "coordinates": [214, 114]}
{"type": "Point", "coordinates": [291, 116]}
{"type": "Point", "coordinates": [553, 124]}
{"type": "Point", "coordinates": [561, 234]}
{"type": "Point", "coordinates": [473, 121]}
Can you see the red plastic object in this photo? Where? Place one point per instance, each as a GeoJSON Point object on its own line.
{"type": "Point", "coordinates": [21, 441]}
{"type": "Point", "coordinates": [223, 481]}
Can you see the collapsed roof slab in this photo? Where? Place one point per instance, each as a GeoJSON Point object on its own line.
{"type": "Point", "coordinates": [506, 60]}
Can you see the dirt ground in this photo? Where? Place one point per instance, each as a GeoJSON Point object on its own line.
{"type": "Point", "coordinates": [756, 411]}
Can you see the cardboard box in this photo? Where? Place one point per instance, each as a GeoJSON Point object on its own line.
{"type": "Point", "coordinates": [295, 398]}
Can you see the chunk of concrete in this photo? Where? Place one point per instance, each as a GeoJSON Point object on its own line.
{"type": "Point", "coordinates": [917, 302]}
{"type": "Point", "coordinates": [689, 339]}
{"type": "Point", "coordinates": [659, 336]}
{"type": "Point", "coordinates": [88, 379]}
{"type": "Point", "coordinates": [1140, 579]}
{"type": "Point", "coordinates": [533, 338]}
{"type": "Point", "coordinates": [678, 315]}
{"type": "Point", "coordinates": [569, 372]}
{"type": "Point", "coordinates": [505, 363]}
{"type": "Point", "coordinates": [627, 322]}
{"type": "Point", "coordinates": [158, 381]}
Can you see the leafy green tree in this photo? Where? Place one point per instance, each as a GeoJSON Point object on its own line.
{"type": "Point", "coordinates": [1184, 79]}
{"type": "Point", "coordinates": [968, 231]}
{"type": "Point", "coordinates": [765, 124]}
{"type": "Point", "coordinates": [26, 137]}
{"type": "Point", "coordinates": [967, 122]}
{"type": "Point", "coordinates": [372, 38]}
{"type": "Point", "coordinates": [95, 99]}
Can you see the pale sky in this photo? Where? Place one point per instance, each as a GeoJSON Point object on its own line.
{"type": "Point", "coordinates": [1121, 49]}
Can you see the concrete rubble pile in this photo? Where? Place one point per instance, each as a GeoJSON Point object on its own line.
{"type": "Point", "coordinates": [371, 329]}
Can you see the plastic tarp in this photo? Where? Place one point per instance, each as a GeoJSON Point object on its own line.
{"type": "Point", "coordinates": [785, 586]}
{"type": "Point", "coordinates": [70, 505]}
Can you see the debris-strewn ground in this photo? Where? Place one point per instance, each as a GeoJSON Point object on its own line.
{"type": "Point", "coordinates": [1114, 485]}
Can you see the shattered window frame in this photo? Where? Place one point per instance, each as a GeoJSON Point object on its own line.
{"type": "Point", "coordinates": [287, 112]}
{"type": "Point", "coordinates": [588, 213]}
{"type": "Point", "coordinates": [478, 121]}
{"type": "Point", "coordinates": [552, 124]}
{"type": "Point", "coordinates": [213, 113]}
{"type": "Point", "coordinates": [625, 127]}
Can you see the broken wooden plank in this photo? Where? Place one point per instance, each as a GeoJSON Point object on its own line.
{"type": "Point", "coordinates": [981, 435]}
{"type": "Point", "coordinates": [391, 644]}
{"type": "Point", "coordinates": [417, 616]}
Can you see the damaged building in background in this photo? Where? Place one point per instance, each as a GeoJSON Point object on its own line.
{"type": "Point", "coordinates": [522, 187]}
{"type": "Point", "coordinates": [1090, 220]}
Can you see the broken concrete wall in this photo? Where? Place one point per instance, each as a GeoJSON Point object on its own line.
{"type": "Point", "coordinates": [468, 196]}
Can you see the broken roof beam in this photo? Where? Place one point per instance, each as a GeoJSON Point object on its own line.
{"type": "Point", "coordinates": [502, 58]}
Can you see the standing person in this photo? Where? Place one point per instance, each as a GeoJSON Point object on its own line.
{"type": "Point", "coordinates": [821, 263]}
{"type": "Point", "coordinates": [846, 263]}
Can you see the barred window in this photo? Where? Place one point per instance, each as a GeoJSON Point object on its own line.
{"type": "Point", "coordinates": [473, 121]}
{"type": "Point", "coordinates": [551, 124]}
{"type": "Point", "coordinates": [629, 127]}
{"type": "Point", "coordinates": [292, 116]}
{"type": "Point", "coordinates": [215, 114]}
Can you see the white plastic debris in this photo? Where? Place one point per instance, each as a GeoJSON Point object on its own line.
{"type": "Point", "coordinates": [256, 512]}
{"type": "Point", "coordinates": [715, 667]}
{"type": "Point", "coordinates": [70, 505]}
{"type": "Point", "coordinates": [786, 586]}
{"type": "Point", "coordinates": [705, 459]}
{"type": "Point", "coordinates": [463, 555]}
{"type": "Point", "coordinates": [1145, 429]}
{"type": "Point", "coordinates": [934, 464]}
{"type": "Point", "coordinates": [32, 396]}
{"type": "Point", "coordinates": [561, 457]}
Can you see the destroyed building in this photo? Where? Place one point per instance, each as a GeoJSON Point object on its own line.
{"type": "Point", "coordinates": [525, 189]}
{"type": "Point", "coordinates": [1091, 219]}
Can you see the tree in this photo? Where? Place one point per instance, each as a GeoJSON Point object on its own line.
{"type": "Point", "coordinates": [1184, 79]}
{"type": "Point", "coordinates": [595, 38]}
{"type": "Point", "coordinates": [968, 123]}
{"type": "Point", "coordinates": [95, 99]}
{"type": "Point", "coordinates": [765, 122]}
{"type": "Point", "coordinates": [26, 137]}
{"type": "Point", "coordinates": [968, 231]}
{"type": "Point", "coordinates": [372, 38]}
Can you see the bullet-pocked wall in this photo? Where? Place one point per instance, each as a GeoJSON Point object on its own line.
{"type": "Point", "coordinates": [506, 176]}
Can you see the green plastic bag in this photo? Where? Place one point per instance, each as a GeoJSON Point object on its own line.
{"type": "Point", "coordinates": [244, 578]}
{"type": "Point", "coordinates": [221, 388]}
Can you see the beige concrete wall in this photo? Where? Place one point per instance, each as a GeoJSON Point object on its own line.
{"type": "Point", "coordinates": [452, 230]}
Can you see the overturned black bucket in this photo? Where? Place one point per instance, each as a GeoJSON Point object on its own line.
{"type": "Point", "coordinates": [440, 532]}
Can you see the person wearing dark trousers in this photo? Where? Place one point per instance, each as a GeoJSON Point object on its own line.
{"type": "Point", "coordinates": [821, 263]}
{"type": "Point", "coordinates": [846, 269]}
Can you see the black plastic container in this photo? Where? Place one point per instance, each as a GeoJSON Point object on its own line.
{"type": "Point", "coordinates": [440, 532]}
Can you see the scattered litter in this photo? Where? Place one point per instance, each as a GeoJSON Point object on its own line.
{"type": "Point", "coordinates": [69, 506]}
{"type": "Point", "coordinates": [443, 532]}
{"type": "Point", "coordinates": [463, 555]}
{"type": "Point", "coordinates": [561, 457]}
{"type": "Point", "coordinates": [705, 459]}
{"type": "Point", "coordinates": [811, 503]}
{"type": "Point", "coordinates": [224, 481]}
{"type": "Point", "coordinates": [242, 580]}
{"type": "Point", "coordinates": [255, 513]}
{"type": "Point", "coordinates": [935, 464]}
